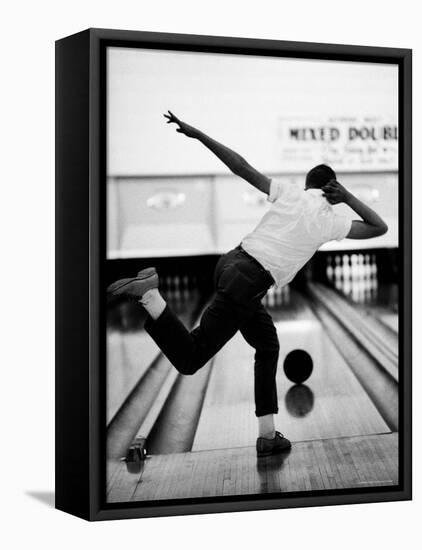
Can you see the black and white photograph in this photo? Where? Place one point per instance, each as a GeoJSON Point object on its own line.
{"type": "Point", "coordinates": [252, 276]}
{"type": "Point", "coordinates": [210, 237]}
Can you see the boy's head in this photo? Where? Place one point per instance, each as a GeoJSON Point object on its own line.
{"type": "Point", "coordinates": [318, 176]}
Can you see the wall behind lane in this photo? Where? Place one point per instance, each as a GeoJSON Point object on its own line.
{"type": "Point", "coordinates": [191, 215]}
{"type": "Point", "coordinates": [242, 101]}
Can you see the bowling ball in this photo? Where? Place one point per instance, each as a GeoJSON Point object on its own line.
{"type": "Point", "coordinates": [298, 366]}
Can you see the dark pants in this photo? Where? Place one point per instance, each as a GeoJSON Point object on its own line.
{"type": "Point", "coordinates": [241, 282]}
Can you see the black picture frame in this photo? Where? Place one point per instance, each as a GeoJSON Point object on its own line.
{"type": "Point", "coordinates": [80, 255]}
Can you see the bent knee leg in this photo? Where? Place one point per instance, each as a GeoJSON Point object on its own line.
{"type": "Point", "coordinates": [186, 369]}
{"type": "Point", "coordinates": [190, 366]}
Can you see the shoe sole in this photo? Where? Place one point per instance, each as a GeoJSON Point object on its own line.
{"type": "Point", "coordinates": [149, 273]}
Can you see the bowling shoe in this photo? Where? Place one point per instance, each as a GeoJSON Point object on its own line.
{"type": "Point", "coordinates": [135, 287]}
{"type": "Point", "coordinates": [267, 447]}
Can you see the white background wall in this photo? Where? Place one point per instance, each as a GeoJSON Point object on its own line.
{"type": "Point", "coordinates": [242, 101]}
{"type": "Point", "coordinates": [27, 115]}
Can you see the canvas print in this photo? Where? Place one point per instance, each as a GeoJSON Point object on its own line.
{"type": "Point", "coordinates": [252, 276]}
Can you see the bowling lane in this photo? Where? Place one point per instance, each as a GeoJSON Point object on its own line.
{"type": "Point", "coordinates": [130, 350]}
{"type": "Point", "coordinates": [330, 464]}
{"type": "Point", "coordinates": [332, 402]}
{"type": "Point", "coordinates": [384, 306]}
{"type": "Point", "coordinates": [389, 319]}
{"type": "Point", "coordinates": [356, 276]}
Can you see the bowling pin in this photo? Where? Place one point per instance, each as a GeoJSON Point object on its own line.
{"type": "Point", "coordinates": [353, 276]}
{"type": "Point", "coordinates": [346, 275]}
{"type": "Point", "coordinates": [271, 297]}
{"type": "Point", "coordinates": [185, 288]}
{"type": "Point", "coordinates": [368, 282]}
{"type": "Point", "coordinates": [374, 276]}
{"type": "Point", "coordinates": [329, 269]}
{"type": "Point", "coordinates": [176, 288]}
{"type": "Point", "coordinates": [286, 296]}
{"type": "Point", "coordinates": [337, 273]}
{"type": "Point", "coordinates": [279, 296]}
{"type": "Point", "coordinates": [169, 288]}
{"type": "Point", "coordinates": [361, 272]}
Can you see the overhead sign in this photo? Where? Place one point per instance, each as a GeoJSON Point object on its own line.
{"type": "Point", "coordinates": [345, 143]}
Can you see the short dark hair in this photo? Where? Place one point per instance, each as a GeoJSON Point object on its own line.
{"type": "Point", "coordinates": [319, 176]}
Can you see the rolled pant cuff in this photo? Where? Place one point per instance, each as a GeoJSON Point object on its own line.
{"type": "Point", "coordinates": [151, 325]}
{"type": "Point", "coordinates": [264, 412]}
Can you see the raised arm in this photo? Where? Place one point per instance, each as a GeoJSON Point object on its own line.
{"type": "Point", "coordinates": [237, 164]}
{"type": "Point", "coordinates": [371, 224]}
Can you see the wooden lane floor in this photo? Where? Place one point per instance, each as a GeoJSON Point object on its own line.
{"type": "Point", "coordinates": [385, 306]}
{"type": "Point", "coordinates": [128, 357]}
{"type": "Point", "coordinates": [314, 465]}
{"type": "Point", "coordinates": [130, 350]}
{"type": "Point", "coordinates": [332, 402]}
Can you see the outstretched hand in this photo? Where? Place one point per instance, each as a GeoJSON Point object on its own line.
{"type": "Point", "coordinates": [184, 128]}
{"type": "Point", "coordinates": [334, 192]}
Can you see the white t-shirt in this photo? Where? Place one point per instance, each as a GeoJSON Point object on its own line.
{"type": "Point", "coordinates": [295, 226]}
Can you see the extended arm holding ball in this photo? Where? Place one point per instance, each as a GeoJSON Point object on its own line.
{"type": "Point", "coordinates": [236, 163]}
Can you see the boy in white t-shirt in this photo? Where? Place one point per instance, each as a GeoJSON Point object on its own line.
{"type": "Point", "coordinates": [296, 225]}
